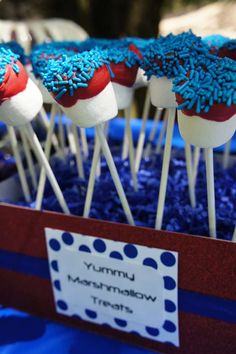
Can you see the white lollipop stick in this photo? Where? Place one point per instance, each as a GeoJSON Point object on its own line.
{"type": "Point", "coordinates": [98, 169]}
{"type": "Point", "coordinates": [84, 142]}
{"type": "Point", "coordinates": [61, 134]}
{"type": "Point", "coordinates": [226, 154]}
{"type": "Point", "coordinates": [189, 166]}
{"type": "Point", "coordinates": [106, 129]}
{"type": "Point", "coordinates": [36, 146]}
{"type": "Point", "coordinates": [48, 145]}
{"type": "Point", "coordinates": [208, 152]}
{"type": "Point", "coordinates": [78, 155]}
{"type": "Point", "coordinates": [162, 133]}
{"type": "Point", "coordinates": [125, 146]}
{"type": "Point", "coordinates": [114, 174]}
{"type": "Point", "coordinates": [165, 168]}
{"type": "Point", "coordinates": [44, 119]}
{"type": "Point", "coordinates": [131, 149]}
{"type": "Point", "coordinates": [141, 139]}
{"type": "Point", "coordinates": [196, 158]}
{"type": "Point", "coordinates": [74, 144]}
{"type": "Point", "coordinates": [152, 134]}
{"type": "Point", "coordinates": [92, 177]}
{"type": "Point", "coordinates": [19, 165]}
{"type": "Point", "coordinates": [29, 159]}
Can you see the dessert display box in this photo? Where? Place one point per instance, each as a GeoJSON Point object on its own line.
{"type": "Point", "coordinates": [206, 310]}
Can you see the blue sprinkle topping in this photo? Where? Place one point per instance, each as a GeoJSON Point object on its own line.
{"type": "Point", "coordinates": [203, 86]}
{"type": "Point", "coordinates": [7, 57]}
{"type": "Point", "coordinates": [17, 49]}
{"type": "Point", "coordinates": [69, 73]}
{"type": "Point", "coordinates": [166, 56]}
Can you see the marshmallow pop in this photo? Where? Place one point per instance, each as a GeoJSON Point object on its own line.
{"type": "Point", "coordinates": [126, 75]}
{"type": "Point", "coordinates": [19, 51]}
{"type": "Point", "coordinates": [206, 97]}
{"type": "Point", "coordinates": [20, 101]}
{"type": "Point", "coordinates": [124, 65]}
{"type": "Point", "coordinates": [81, 85]}
{"type": "Point", "coordinates": [40, 57]}
{"type": "Point", "coordinates": [227, 49]}
{"type": "Point", "coordinates": [162, 63]}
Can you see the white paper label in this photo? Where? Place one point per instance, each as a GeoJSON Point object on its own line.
{"type": "Point", "coordinates": [128, 287]}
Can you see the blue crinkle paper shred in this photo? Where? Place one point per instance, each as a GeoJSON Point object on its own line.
{"type": "Point", "coordinates": [178, 215]}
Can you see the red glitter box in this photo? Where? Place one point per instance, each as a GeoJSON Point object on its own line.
{"type": "Point", "coordinates": [206, 277]}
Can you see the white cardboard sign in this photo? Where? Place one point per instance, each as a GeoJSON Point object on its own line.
{"type": "Point", "coordinates": [128, 287]}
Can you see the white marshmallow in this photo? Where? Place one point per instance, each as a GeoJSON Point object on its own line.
{"type": "Point", "coordinates": [22, 107]}
{"type": "Point", "coordinates": [47, 98]}
{"type": "Point", "coordinates": [141, 80]}
{"type": "Point", "coordinates": [161, 92]}
{"type": "Point", "coordinates": [90, 112]}
{"type": "Point", "coordinates": [205, 133]}
{"type": "Point", "coordinates": [123, 94]}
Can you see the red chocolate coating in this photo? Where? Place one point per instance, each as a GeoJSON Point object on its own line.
{"type": "Point", "coordinates": [226, 52]}
{"type": "Point", "coordinates": [134, 49]}
{"type": "Point", "coordinates": [219, 112]}
{"type": "Point", "coordinates": [123, 75]}
{"type": "Point", "coordinates": [13, 82]}
{"type": "Point", "coordinates": [98, 82]}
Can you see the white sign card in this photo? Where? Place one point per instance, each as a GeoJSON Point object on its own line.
{"type": "Point", "coordinates": [128, 287]}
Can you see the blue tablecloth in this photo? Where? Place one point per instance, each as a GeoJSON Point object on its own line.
{"type": "Point", "coordinates": [21, 333]}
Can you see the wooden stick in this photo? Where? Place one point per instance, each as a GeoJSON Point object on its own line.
{"type": "Point", "coordinates": [131, 149]}
{"type": "Point", "coordinates": [165, 168]}
{"type": "Point", "coordinates": [208, 152]}
{"type": "Point", "coordinates": [162, 133]}
{"type": "Point", "coordinates": [78, 155]}
{"type": "Point", "coordinates": [189, 167]}
{"type": "Point", "coordinates": [19, 165]}
{"type": "Point", "coordinates": [92, 178]}
{"type": "Point", "coordinates": [152, 134]}
{"type": "Point", "coordinates": [84, 142]}
{"type": "Point", "coordinates": [114, 174]}
{"type": "Point", "coordinates": [226, 154]}
{"type": "Point", "coordinates": [141, 139]}
{"type": "Point", "coordinates": [29, 159]}
{"type": "Point", "coordinates": [36, 146]}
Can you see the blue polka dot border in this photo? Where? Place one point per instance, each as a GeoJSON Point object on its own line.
{"type": "Point", "coordinates": [163, 263]}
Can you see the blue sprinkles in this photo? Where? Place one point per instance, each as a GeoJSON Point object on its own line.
{"type": "Point", "coordinates": [66, 66]}
{"type": "Point", "coordinates": [167, 56]}
{"type": "Point", "coordinates": [68, 73]}
{"type": "Point", "coordinates": [17, 49]}
{"type": "Point", "coordinates": [205, 85]}
{"type": "Point", "coordinates": [7, 57]}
